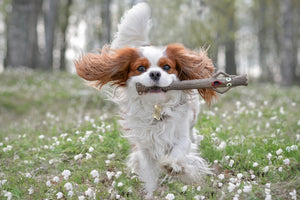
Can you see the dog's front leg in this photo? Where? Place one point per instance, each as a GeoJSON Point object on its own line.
{"type": "Point", "coordinates": [148, 172]}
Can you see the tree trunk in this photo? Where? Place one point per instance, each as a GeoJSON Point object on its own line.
{"type": "Point", "coordinates": [106, 22]}
{"type": "Point", "coordinates": [286, 40]}
{"type": "Point", "coordinates": [22, 34]}
{"type": "Point", "coordinates": [262, 37]}
{"type": "Point", "coordinates": [64, 22]}
{"type": "Point", "coordinates": [230, 63]}
{"type": "Point", "coordinates": [50, 11]}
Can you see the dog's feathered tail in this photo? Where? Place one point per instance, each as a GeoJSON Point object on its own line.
{"type": "Point", "coordinates": [133, 31]}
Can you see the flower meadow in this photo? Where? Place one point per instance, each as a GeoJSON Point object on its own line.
{"type": "Point", "coordinates": [60, 139]}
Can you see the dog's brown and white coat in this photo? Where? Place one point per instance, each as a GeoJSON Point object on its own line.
{"type": "Point", "coordinates": [164, 143]}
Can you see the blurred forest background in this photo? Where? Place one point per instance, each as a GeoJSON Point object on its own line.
{"type": "Point", "coordinates": [257, 37]}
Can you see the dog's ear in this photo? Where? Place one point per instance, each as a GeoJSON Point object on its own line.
{"type": "Point", "coordinates": [192, 65]}
{"type": "Point", "coordinates": [108, 66]}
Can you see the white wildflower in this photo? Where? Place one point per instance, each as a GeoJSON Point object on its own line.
{"type": "Point", "coordinates": [7, 148]}
{"type": "Point", "coordinates": [55, 179]}
{"type": "Point", "coordinates": [66, 174]}
{"type": "Point", "coordinates": [239, 176]}
{"type": "Point", "coordinates": [41, 137]}
{"type": "Point", "coordinates": [70, 193]}
{"type": "Point", "coordinates": [28, 175]}
{"type": "Point", "coordinates": [227, 158]}
{"type": "Point", "coordinates": [69, 140]}
{"type": "Point", "coordinates": [107, 162]}
{"type": "Point", "coordinates": [286, 161]}
{"type": "Point", "coordinates": [280, 169]}
{"type": "Point", "coordinates": [220, 184]}
{"type": "Point", "coordinates": [247, 188]}
{"type": "Point", "coordinates": [101, 138]}
{"type": "Point", "coordinates": [110, 156]}
{"type": "Point", "coordinates": [231, 187]}
{"type": "Point", "coordinates": [293, 194]}
{"type": "Point", "coordinates": [77, 157]}
{"type": "Point", "coordinates": [268, 197]}
{"type": "Point", "coordinates": [222, 145]}
{"type": "Point", "coordinates": [279, 151]}
{"type": "Point", "coordinates": [221, 176]}
{"type": "Point", "coordinates": [91, 149]}
{"type": "Point", "coordinates": [88, 156]}
{"type": "Point", "coordinates": [269, 156]}
{"type": "Point", "coordinates": [7, 194]}
{"type": "Point", "coordinates": [231, 162]}
{"type": "Point", "coordinates": [30, 190]}
{"type": "Point", "coordinates": [198, 188]}
{"type": "Point", "coordinates": [81, 198]}
{"type": "Point", "coordinates": [95, 173]}
{"type": "Point", "coordinates": [184, 188]}
{"type": "Point", "coordinates": [259, 114]}
{"type": "Point", "coordinates": [96, 181]}
{"type": "Point", "coordinates": [255, 164]}
{"type": "Point", "coordinates": [68, 186]}
{"type": "Point", "coordinates": [120, 184]}
{"type": "Point", "coordinates": [233, 180]}
{"type": "Point", "coordinates": [89, 192]}
{"type": "Point", "coordinates": [236, 197]}
{"type": "Point", "coordinates": [118, 174]}
{"type": "Point", "coordinates": [59, 195]}
{"type": "Point", "coordinates": [266, 169]}
{"type": "Point", "coordinates": [110, 175]}
{"type": "Point", "coordinates": [48, 183]}
{"type": "Point", "coordinates": [294, 148]}
{"type": "Point", "coordinates": [170, 196]}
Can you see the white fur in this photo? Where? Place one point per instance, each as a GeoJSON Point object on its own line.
{"type": "Point", "coordinates": [134, 28]}
{"type": "Point", "coordinates": [157, 145]}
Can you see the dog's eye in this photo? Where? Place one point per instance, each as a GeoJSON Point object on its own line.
{"type": "Point", "coordinates": [166, 67]}
{"type": "Point", "coordinates": [141, 69]}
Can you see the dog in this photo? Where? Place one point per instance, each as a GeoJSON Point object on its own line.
{"type": "Point", "coordinates": [159, 125]}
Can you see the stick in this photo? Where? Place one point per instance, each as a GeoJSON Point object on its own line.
{"type": "Point", "coordinates": [228, 81]}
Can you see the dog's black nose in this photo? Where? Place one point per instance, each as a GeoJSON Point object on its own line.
{"type": "Point", "coordinates": [155, 75]}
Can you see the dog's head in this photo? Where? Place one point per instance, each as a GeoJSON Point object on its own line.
{"type": "Point", "coordinates": [151, 66]}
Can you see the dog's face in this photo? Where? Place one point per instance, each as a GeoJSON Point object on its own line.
{"type": "Point", "coordinates": [151, 66]}
{"type": "Point", "coordinates": [153, 69]}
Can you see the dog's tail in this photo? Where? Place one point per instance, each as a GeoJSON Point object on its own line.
{"type": "Point", "coordinates": [133, 31]}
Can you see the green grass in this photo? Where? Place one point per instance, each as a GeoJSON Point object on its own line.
{"type": "Point", "coordinates": [50, 121]}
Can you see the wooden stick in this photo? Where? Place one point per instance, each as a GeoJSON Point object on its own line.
{"type": "Point", "coordinates": [214, 83]}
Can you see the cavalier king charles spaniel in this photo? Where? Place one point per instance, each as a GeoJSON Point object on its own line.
{"type": "Point", "coordinates": [158, 124]}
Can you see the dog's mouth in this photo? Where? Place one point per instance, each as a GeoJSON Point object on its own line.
{"type": "Point", "coordinates": [141, 89]}
{"type": "Point", "coordinates": [155, 89]}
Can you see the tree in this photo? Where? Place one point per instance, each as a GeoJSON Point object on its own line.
{"type": "Point", "coordinates": [230, 63]}
{"type": "Point", "coordinates": [22, 34]}
{"type": "Point", "coordinates": [286, 41]}
{"type": "Point", "coordinates": [65, 14]}
{"type": "Point", "coordinates": [106, 22]}
{"type": "Point", "coordinates": [50, 11]}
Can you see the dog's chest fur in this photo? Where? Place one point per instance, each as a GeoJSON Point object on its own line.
{"type": "Point", "coordinates": [157, 137]}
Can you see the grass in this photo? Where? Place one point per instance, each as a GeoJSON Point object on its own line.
{"type": "Point", "coordinates": [52, 122]}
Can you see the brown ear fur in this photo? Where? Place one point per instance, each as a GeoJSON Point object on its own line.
{"type": "Point", "coordinates": [193, 65]}
{"type": "Point", "coordinates": [109, 66]}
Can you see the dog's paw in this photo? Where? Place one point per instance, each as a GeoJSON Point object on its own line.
{"type": "Point", "coordinates": [171, 167]}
